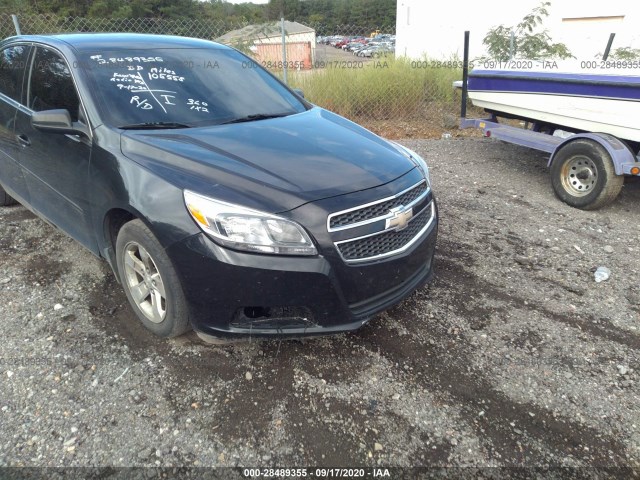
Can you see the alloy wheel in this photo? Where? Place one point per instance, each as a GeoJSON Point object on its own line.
{"type": "Point", "coordinates": [145, 282]}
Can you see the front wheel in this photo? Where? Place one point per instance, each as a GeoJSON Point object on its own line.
{"type": "Point", "coordinates": [150, 281]}
{"type": "Point", "coordinates": [583, 176]}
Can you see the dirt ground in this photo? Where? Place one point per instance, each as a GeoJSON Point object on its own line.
{"type": "Point", "coordinates": [512, 356]}
{"type": "Point", "coordinates": [419, 128]}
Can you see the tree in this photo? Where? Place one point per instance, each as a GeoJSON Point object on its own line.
{"type": "Point", "coordinates": [367, 13]}
{"type": "Point", "coordinates": [530, 40]}
{"type": "Point", "coordinates": [624, 53]}
{"type": "Point", "coordinates": [361, 13]}
{"type": "Point", "coordinates": [290, 9]}
{"type": "Point", "coordinates": [109, 8]}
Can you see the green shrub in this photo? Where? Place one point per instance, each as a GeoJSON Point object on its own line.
{"type": "Point", "coordinates": [384, 88]}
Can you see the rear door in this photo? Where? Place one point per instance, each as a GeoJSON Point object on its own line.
{"type": "Point", "coordinates": [13, 63]}
{"type": "Point", "coordinates": [55, 165]}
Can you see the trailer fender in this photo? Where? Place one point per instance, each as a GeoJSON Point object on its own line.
{"type": "Point", "coordinates": [621, 156]}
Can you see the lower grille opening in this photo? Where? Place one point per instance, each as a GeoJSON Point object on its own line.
{"type": "Point", "coordinates": [273, 318]}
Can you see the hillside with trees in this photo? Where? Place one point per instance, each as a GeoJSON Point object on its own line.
{"type": "Point", "coordinates": [354, 12]}
{"type": "Point", "coordinates": [328, 12]}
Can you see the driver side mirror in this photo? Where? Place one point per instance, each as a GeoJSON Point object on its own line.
{"type": "Point", "coordinates": [298, 92]}
{"type": "Point", "coordinates": [55, 121]}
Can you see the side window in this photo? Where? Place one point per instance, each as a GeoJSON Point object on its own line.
{"type": "Point", "coordinates": [13, 61]}
{"type": "Point", "coordinates": [51, 84]}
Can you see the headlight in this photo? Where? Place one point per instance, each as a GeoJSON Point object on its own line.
{"type": "Point", "coordinates": [245, 229]}
{"type": "Point", "coordinates": [417, 159]}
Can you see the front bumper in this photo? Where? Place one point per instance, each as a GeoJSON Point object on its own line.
{"type": "Point", "coordinates": [233, 293]}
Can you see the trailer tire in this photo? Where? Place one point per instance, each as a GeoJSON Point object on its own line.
{"type": "Point", "coordinates": [583, 175]}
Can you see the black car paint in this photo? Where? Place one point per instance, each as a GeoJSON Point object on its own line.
{"type": "Point", "coordinates": [304, 167]}
{"type": "Point", "coordinates": [247, 164]}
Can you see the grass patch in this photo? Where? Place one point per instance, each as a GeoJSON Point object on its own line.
{"type": "Point", "coordinates": [382, 89]}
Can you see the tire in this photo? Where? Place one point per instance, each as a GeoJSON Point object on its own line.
{"type": "Point", "coordinates": [150, 281]}
{"type": "Point", "coordinates": [6, 199]}
{"type": "Point", "coordinates": [583, 176]}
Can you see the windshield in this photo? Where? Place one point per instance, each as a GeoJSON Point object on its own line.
{"type": "Point", "coordinates": [185, 87]}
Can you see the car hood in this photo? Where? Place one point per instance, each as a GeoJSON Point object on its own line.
{"type": "Point", "coordinates": [273, 165]}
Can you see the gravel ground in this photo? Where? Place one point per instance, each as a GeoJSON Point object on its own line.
{"type": "Point", "coordinates": [513, 356]}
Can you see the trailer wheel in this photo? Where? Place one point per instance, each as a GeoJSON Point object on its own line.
{"type": "Point", "coordinates": [582, 175]}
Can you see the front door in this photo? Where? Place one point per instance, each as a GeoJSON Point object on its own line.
{"type": "Point", "coordinates": [55, 165]}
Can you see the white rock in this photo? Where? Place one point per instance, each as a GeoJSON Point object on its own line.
{"type": "Point", "coordinates": [70, 442]}
{"type": "Point", "coordinates": [57, 307]}
{"type": "Point", "coordinates": [248, 376]}
{"type": "Point", "coordinates": [602, 274]}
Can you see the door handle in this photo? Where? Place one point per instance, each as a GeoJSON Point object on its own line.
{"type": "Point", "coordinates": [23, 140]}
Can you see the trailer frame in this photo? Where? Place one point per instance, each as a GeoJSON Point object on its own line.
{"type": "Point", "coordinates": [624, 161]}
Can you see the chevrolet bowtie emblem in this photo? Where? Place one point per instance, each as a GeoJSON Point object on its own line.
{"type": "Point", "coordinates": [400, 219]}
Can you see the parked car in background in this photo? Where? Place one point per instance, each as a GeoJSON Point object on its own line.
{"type": "Point", "coordinates": [369, 50]}
{"type": "Point", "coordinates": [358, 44]}
{"type": "Point", "coordinates": [384, 50]}
{"type": "Point", "coordinates": [357, 49]}
{"type": "Point", "coordinates": [222, 200]}
{"type": "Point", "coordinates": [379, 45]}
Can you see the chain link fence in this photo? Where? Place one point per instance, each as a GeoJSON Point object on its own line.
{"type": "Point", "coordinates": [349, 69]}
{"type": "Point", "coordinates": [43, 24]}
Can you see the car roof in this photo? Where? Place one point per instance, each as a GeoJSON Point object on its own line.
{"type": "Point", "coordinates": [117, 41]}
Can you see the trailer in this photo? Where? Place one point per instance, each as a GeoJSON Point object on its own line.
{"type": "Point", "coordinates": [587, 167]}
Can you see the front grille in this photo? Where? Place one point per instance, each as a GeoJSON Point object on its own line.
{"type": "Point", "coordinates": [377, 210]}
{"type": "Point", "coordinates": [384, 243]}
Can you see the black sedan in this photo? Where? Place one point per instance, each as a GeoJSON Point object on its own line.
{"type": "Point", "coordinates": [222, 200]}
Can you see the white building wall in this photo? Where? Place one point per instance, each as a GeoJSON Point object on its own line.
{"type": "Point", "coordinates": [436, 29]}
{"type": "Point", "coordinates": [581, 26]}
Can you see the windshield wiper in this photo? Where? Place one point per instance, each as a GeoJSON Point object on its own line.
{"type": "Point", "coordinates": [256, 116]}
{"type": "Point", "coordinates": [154, 125]}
